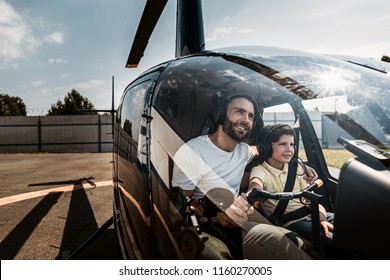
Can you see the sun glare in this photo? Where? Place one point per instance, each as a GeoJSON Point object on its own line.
{"type": "Point", "coordinates": [334, 82]}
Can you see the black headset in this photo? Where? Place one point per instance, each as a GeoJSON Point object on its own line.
{"type": "Point", "coordinates": [264, 144]}
{"type": "Point", "coordinates": [219, 116]}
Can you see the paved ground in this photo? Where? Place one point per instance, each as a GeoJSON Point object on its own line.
{"type": "Point", "coordinates": [50, 204]}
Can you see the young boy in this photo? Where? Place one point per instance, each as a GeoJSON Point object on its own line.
{"type": "Point", "coordinates": [271, 175]}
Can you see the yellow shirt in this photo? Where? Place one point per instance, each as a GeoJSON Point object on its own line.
{"type": "Point", "coordinates": [274, 180]}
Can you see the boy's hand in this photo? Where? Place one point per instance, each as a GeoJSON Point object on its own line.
{"type": "Point", "coordinates": [311, 174]}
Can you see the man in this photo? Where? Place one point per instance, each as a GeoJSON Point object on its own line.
{"type": "Point", "coordinates": [218, 160]}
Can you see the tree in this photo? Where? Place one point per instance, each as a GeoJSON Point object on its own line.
{"type": "Point", "coordinates": [12, 106]}
{"type": "Point", "coordinates": [386, 58]}
{"type": "Point", "coordinates": [73, 104]}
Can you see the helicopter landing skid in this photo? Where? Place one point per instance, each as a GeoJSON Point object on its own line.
{"type": "Point", "coordinates": [92, 238]}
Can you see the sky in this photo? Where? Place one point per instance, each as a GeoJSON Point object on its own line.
{"type": "Point", "coordinates": [48, 48]}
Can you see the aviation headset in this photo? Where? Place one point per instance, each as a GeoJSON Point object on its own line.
{"type": "Point", "coordinates": [219, 116]}
{"type": "Point", "coordinates": [266, 137]}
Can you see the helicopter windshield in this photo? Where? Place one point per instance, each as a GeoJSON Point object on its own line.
{"type": "Point", "coordinates": [325, 97]}
{"type": "Point", "coordinates": [352, 100]}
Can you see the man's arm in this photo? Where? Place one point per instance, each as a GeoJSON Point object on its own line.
{"type": "Point", "coordinates": [237, 212]}
{"type": "Point", "coordinates": [328, 227]}
{"type": "Point", "coordinates": [255, 152]}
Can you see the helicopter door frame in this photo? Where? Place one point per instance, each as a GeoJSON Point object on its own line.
{"type": "Point", "coordinates": [133, 175]}
{"type": "Point", "coordinates": [144, 149]}
{"type": "Point", "coordinates": [300, 92]}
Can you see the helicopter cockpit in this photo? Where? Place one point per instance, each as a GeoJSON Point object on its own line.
{"type": "Point", "coordinates": [322, 97]}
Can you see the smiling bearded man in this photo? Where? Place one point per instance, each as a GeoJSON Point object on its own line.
{"type": "Point", "coordinates": [218, 160]}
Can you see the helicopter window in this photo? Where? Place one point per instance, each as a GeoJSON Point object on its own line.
{"type": "Point", "coordinates": [353, 99]}
{"type": "Point", "coordinates": [360, 118]}
{"type": "Point", "coordinates": [132, 109]}
{"type": "Point", "coordinates": [189, 91]}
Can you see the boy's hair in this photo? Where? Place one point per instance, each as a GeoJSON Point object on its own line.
{"type": "Point", "coordinates": [268, 135]}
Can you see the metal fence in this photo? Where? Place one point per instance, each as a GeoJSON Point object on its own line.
{"type": "Point", "coordinates": [316, 119]}
{"type": "Point", "coordinates": [93, 133]}
{"type": "Point", "coordinates": [80, 133]}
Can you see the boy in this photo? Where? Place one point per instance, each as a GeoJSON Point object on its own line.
{"type": "Point", "coordinates": [277, 149]}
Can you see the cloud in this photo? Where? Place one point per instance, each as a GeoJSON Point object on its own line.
{"type": "Point", "coordinates": [64, 76]}
{"type": "Point", "coordinates": [98, 65]}
{"type": "Point", "coordinates": [50, 91]}
{"type": "Point", "coordinates": [374, 50]}
{"type": "Point", "coordinates": [89, 84]}
{"type": "Point", "coordinates": [16, 37]}
{"type": "Point", "coordinates": [222, 32]}
{"type": "Point", "coordinates": [318, 15]}
{"type": "Point", "coordinates": [57, 61]}
{"type": "Point", "coordinates": [38, 83]}
{"type": "Point", "coordinates": [55, 38]}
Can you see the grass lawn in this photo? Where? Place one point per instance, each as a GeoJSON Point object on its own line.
{"type": "Point", "coordinates": [334, 157]}
{"type": "Point", "coordinates": [337, 158]}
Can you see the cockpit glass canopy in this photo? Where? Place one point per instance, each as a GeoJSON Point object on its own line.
{"type": "Point", "coordinates": [351, 98]}
{"type": "Point", "coordinates": [345, 99]}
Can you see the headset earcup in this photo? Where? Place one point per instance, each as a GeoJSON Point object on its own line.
{"type": "Point", "coordinates": [219, 117]}
{"type": "Point", "coordinates": [215, 116]}
{"type": "Point", "coordinates": [262, 152]}
{"type": "Point", "coordinates": [219, 113]}
{"type": "Point", "coordinates": [263, 142]}
{"type": "Point", "coordinates": [264, 147]}
{"type": "Point", "coordinates": [268, 147]}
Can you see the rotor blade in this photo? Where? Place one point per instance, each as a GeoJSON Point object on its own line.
{"type": "Point", "coordinates": [151, 14]}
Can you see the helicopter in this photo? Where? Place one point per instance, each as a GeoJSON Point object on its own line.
{"type": "Point", "coordinates": [173, 102]}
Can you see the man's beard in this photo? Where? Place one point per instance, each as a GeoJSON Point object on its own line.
{"type": "Point", "coordinates": [229, 129]}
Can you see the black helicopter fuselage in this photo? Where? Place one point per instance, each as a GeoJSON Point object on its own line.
{"type": "Point", "coordinates": [174, 102]}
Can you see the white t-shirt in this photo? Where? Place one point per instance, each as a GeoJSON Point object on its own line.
{"type": "Point", "coordinates": [200, 166]}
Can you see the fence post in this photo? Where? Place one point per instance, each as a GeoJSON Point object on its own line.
{"type": "Point", "coordinates": [100, 133]}
{"type": "Point", "coordinates": [324, 142]}
{"type": "Point", "coordinates": [39, 134]}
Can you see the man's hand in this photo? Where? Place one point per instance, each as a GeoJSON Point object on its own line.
{"type": "Point", "coordinates": [328, 227]}
{"type": "Point", "coordinates": [240, 209]}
